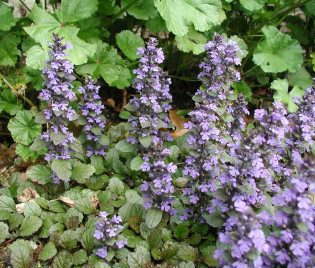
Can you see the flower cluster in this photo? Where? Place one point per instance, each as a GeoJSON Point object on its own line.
{"type": "Point", "coordinates": [107, 233]}
{"type": "Point", "coordinates": [158, 191]}
{"type": "Point", "coordinates": [151, 115]}
{"type": "Point", "coordinates": [216, 109]}
{"type": "Point", "coordinates": [58, 94]}
{"type": "Point", "coordinates": [153, 103]}
{"type": "Point", "coordinates": [293, 238]}
{"type": "Point", "coordinates": [92, 107]}
{"type": "Point", "coordinates": [245, 237]}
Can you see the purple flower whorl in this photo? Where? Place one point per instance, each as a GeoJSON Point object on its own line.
{"type": "Point", "coordinates": [107, 233]}
{"type": "Point", "coordinates": [92, 107]}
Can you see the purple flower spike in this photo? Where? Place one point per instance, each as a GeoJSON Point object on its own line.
{"type": "Point", "coordinates": [58, 94]}
{"type": "Point", "coordinates": [150, 116]}
{"type": "Point", "coordinates": [92, 107]}
{"type": "Point", "coordinates": [106, 229]}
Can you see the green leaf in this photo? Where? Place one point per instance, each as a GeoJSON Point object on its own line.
{"type": "Point", "coordinates": [187, 253]}
{"type": "Point", "coordinates": [62, 169]}
{"type": "Point", "coordinates": [87, 239]}
{"type": "Point", "coordinates": [179, 15]}
{"type": "Point", "coordinates": [128, 210]}
{"type": "Point", "coordinates": [207, 256]}
{"type": "Point", "coordinates": [104, 140]}
{"type": "Point", "coordinates": [116, 186]}
{"type": "Point", "coordinates": [68, 239]}
{"type": "Point", "coordinates": [36, 57]}
{"type": "Point", "coordinates": [124, 115]}
{"type": "Point", "coordinates": [30, 225]}
{"type": "Point", "coordinates": [15, 220]}
{"type": "Point", "coordinates": [154, 238]}
{"type": "Point", "coordinates": [6, 18]}
{"type": "Point", "coordinates": [55, 206]}
{"type": "Point", "coordinates": [39, 173]}
{"type": "Point", "coordinates": [242, 45]}
{"type": "Point", "coordinates": [181, 231]}
{"type": "Point", "coordinates": [73, 10]}
{"type": "Point", "coordinates": [301, 78]}
{"type": "Point", "coordinates": [153, 217]}
{"type": "Point", "coordinates": [47, 223]}
{"type": "Point", "coordinates": [58, 137]}
{"type": "Point", "coordinates": [80, 172]}
{"type": "Point", "coordinates": [98, 163]}
{"type": "Point", "coordinates": [43, 27]}
{"type": "Point", "coordinates": [22, 255]}
{"type": "Point", "coordinates": [23, 127]}
{"type": "Point", "coordinates": [84, 205]}
{"type": "Point", "coordinates": [133, 197]}
{"type": "Point", "coordinates": [136, 163]}
{"type": "Point", "coordinates": [38, 144]}
{"type": "Point", "coordinates": [278, 52]}
{"type": "Point", "coordinates": [63, 260]}
{"type": "Point", "coordinates": [193, 41]}
{"type": "Point", "coordinates": [281, 86]}
{"type": "Point", "coordinates": [27, 153]}
{"type": "Point", "coordinates": [9, 49]}
{"type": "Point", "coordinates": [32, 209]}
{"type": "Point", "coordinates": [194, 239]}
{"type": "Point", "coordinates": [129, 42]}
{"type": "Point", "coordinates": [252, 5]}
{"type": "Point", "coordinates": [79, 257]}
{"type": "Point", "coordinates": [107, 63]}
{"type": "Point", "coordinates": [9, 102]}
{"type": "Point", "coordinates": [4, 229]}
{"type": "Point", "coordinates": [302, 227]}
{"type": "Point", "coordinates": [145, 141]}
{"type": "Point", "coordinates": [156, 24]}
{"type": "Point", "coordinates": [142, 9]}
{"type": "Point", "coordinates": [47, 252]}
{"type": "Point", "coordinates": [42, 202]}
{"type": "Point", "coordinates": [76, 146]}
{"type": "Point", "coordinates": [125, 147]}
{"type": "Point", "coordinates": [242, 87]}
{"type": "Point", "coordinates": [214, 219]}
{"type": "Point", "coordinates": [7, 203]}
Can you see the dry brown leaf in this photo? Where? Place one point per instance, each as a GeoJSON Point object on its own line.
{"type": "Point", "coordinates": [29, 194]}
{"type": "Point", "coordinates": [95, 201]}
{"type": "Point", "coordinates": [179, 122]}
{"type": "Point", "coordinates": [6, 157]}
{"type": "Point", "coordinates": [110, 103]}
{"type": "Point", "coordinates": [67, 200]}
{"type": "Point", "coordinates": [122, 105]}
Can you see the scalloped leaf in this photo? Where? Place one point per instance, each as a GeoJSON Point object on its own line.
{"type": "Point", "coordinates": [30, 225]}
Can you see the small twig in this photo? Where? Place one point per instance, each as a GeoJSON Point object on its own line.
{"type": "Point", "coordinates": [37, 253]}
{"type": "Point", "coordinates": [28, 9]}
{"type": "Point", "coordinates": [7, 242]}
{"type": "Point", "coordinates": [16, 93]}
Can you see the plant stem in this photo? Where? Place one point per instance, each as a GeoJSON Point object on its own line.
{"type": "Point", "coordinates": [183, 78]}
{"type": "Point", "coordinates": [28, 9]}
{"type": "Point", "coordinates": [120, 12]}
{"type": "Point", "coordinates": [261, 97]}
{"type": "Point", "coordinates": [16, 93]}
{"type": "Point", "coordinates": [7, 134]}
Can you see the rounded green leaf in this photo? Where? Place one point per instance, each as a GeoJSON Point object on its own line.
{"type": "Point", "coordinates": [30, 225]}
{"type": "Point", "coordinates": [278, 52]}
{"type": "Point", "coordinates": [23, 127]}
{"type": "Point", "coordinates": [129, 42]}
{"type": "Point", "coordinates": [47, 252]}
{"type": "Point", "coordinates": [153, 217]}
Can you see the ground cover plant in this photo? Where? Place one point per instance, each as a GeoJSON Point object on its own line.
{"type": "Point", "coordinates": [157, 133]}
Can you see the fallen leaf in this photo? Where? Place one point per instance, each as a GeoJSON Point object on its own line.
{"type": "Point", "coordinates": [67, 200]}
{"type": "Point", "coordinates": [29, 194]}
{"type": "Point", "coordinates": [110, 103]}
{"type": "Point", "coordinates": [95, 201]}
{"type": "Point", "coordinates": [179, 122]}
{"type": "Point", "coordinates": [6, 157]}
{"type": "Point", "coordinates": [122, 105]}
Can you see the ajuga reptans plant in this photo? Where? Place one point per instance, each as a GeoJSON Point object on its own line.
{"type": "Point", "coordinates": [92, 107]}
{"type": "Point", "coordinates": [58, 94]}
{"type": "Point", "coordinates": [150, 116]}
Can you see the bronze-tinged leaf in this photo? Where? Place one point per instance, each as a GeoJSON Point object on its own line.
{"type": "Point", "coordinates": [134, 222]}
